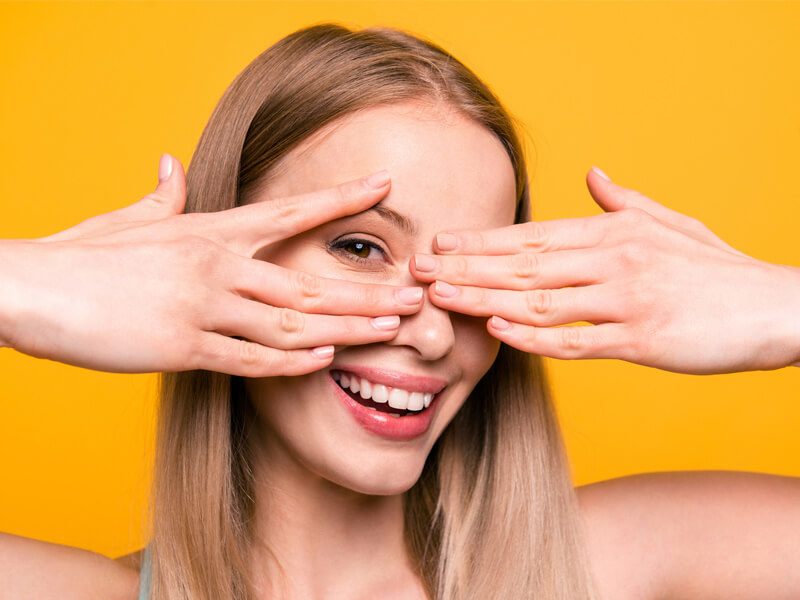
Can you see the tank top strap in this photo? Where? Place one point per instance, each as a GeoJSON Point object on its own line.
{"type": "Point", "coordinates": [144, 577]}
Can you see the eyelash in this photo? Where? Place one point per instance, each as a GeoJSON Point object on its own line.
{"type": "Point", "coordinates": [342, 244]}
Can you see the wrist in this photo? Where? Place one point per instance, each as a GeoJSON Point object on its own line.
{"type": "Point", "coordinates": [12, 296]}
{"type": "Point", "coordinates": [792, 320]}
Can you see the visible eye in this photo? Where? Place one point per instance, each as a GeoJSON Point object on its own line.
{"type": "Point", "coordinates": [356, 249]}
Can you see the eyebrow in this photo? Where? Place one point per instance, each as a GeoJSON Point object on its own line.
{"type": "Point", "coordinates": [394, 217]}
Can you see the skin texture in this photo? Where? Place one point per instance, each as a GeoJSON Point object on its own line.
{"type": "Point", "coordinates": [687, 536]}
{"type": "Point", "coordinates": [332, 484]}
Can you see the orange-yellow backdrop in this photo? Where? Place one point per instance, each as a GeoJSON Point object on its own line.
{"type": "Point", "coordinates": [695, 104]}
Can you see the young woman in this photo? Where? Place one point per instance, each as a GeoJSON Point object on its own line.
{"type": "Point", "coordinates": [329, 427]}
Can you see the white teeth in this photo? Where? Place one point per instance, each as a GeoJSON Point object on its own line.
{"type": "Point", "coordinates": [398, 399]}
{"type": "Point", "coordinates": [415, 401]}
{"type": "Point", "coordinates": [380, 393]}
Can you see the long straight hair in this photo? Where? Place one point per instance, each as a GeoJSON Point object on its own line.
{"type": "Point", "coordinates": [494, 513]}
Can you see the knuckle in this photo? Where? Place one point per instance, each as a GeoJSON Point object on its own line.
{"type": "Point", "coordinates": [251, 354]}
{"type": "Point", "coordinates": [290, 321]}
{"type": "Point", "coordinates": [534, 235]}
{"type": "Point", "coordinates": [525, 265]}
{"type": "Point", "coordinates": [341, 193]}
{"type": "Point", "coordinates": [286, 209]}
{"type": "Point", "coordinates": [460, 267]}
{"type": "Point", "coordinates": [636, 217]}
{"type": "Point", "coordinates": [572, 339]}
{"type": "Point", "coordinates": [539, 302]}
{"type": "Point", "coordinates": [371, 296]}
{"type": "Point", "coordinates": [636, 253]}
{"type": "Point", "coordinates": [309, 289]}
{"type": "Point", "coordinates": [478, 241]}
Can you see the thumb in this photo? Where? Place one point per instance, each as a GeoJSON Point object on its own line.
{"type": "Point", "coordinates": [604, 191]}
{"type": "Point", "coordinates": [169, 197]}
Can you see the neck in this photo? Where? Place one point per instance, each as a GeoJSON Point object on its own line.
{"type": "Point", "coordinates": [316, 539]}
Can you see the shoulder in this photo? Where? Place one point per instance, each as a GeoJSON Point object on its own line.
{"type": "Point", "coordinates": [670, 534]}
{"type": "Point", "coordinates": [31, 568]}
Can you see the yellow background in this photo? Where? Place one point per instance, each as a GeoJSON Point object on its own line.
{"type": "Point", "coordinates": [697, 105]}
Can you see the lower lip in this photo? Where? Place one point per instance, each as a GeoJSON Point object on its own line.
{"type": "Point", "coordinates": [385, 425]}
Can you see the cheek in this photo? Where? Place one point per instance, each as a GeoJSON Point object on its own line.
{"type": "Point", "coordinates": [476, 347]}
{"type": "Point", "coordinates": [279, 401]}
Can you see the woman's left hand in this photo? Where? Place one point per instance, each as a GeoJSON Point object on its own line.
{"type": "Point", "coordinates": [659, 288]}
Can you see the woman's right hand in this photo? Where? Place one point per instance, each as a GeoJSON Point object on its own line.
{"type": "Point", "coordinates": [147, 288]}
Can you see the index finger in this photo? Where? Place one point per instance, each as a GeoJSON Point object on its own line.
{"type": "Point", "coordinates": [245, 229]}
{"type": "Point", "coordinates": [533, 236]}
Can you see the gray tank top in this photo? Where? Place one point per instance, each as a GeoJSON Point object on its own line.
{"type": "Point", "coordinates": [144, 576]}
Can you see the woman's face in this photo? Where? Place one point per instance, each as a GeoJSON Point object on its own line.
{"type": "Point", "coordinates": [447, 173]}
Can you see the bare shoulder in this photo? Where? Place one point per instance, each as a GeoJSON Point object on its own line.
{"type": "Point", "coordinates": [34, 569]}
{"type": "Point", "coordinates": [682, 534]}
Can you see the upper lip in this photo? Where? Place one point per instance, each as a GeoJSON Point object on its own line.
{"type": "Point", "coordinates": [405, 381]}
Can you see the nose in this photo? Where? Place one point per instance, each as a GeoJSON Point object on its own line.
{"type": "Point", "coordinates": [429, 330]}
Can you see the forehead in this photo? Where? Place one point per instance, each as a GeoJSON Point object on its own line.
{"type": "Point", "coordinates": [447, 171]}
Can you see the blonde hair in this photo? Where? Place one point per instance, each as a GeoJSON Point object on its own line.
{"type": "Point", "coordinates": [494, 513]}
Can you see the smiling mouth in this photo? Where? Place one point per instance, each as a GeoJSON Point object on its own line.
{"type": "Point", "coordinates": [382, 398]}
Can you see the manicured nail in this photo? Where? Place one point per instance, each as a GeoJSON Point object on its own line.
{"type": "Point", "coordinates": [423, 262]}
{"type": "Point", "coordinates": [410, 295]}
{"type": "Point", "coordinates": [445, 289]}
{"type": "Point", "coordinates": [499, 323]}
{"type": "Point", "coordinates": [379, 179]}
{"type": "Point", "coordinates": [323, 352]}
{"type": "Point", "coordinates": [164, 167]}
{"type": "Point", "coordinates": [603, 175]}
{"type": "Point", "coordinates": [386, 323]}
{"type": "Point", "coordinates": [446, 241]}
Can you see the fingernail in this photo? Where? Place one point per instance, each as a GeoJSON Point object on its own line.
{"type": "Point", "coordinates": [385, 323]}
{"type": "Point", "coordinates": [445, 289]}
{"type": "Point", "coordinates": [164, 167]}
{"type": "Point", "coordinates": [379, 179]}
{"type": "Point", "coordinates": [446, 241]}
{"type": "Point", "coordinates": [323, 352]}
{"type": "Point", "coordinates": [410, 295]}
{"type": "Point", "coordinates": [423, 262]}
{"type": "Point", "coordinates": [499, 323]}
{"type": "Point", "coordinates": [603, 175]}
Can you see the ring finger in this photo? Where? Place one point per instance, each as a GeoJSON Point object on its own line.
{"type": "Point", "coordinates": [540, 308]}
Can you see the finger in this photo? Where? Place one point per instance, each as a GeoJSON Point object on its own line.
{"type": "Point", "coordinates": [608, 340]}
{"type": "Point", "coordinates": [248, 359]}
{"type": "Point", "coordinates": [311, 293]}
{"type": "Point", "coordinates": [247, 228]}
{"type": "Point", "coordinates": [540, 308]}
{"type": "Point", "coordinates": [524, 271]}
{"type": "Point", "coordinates": [289, 329]}
{"type": "Point", "coordinates": [533, 236]}
{"type": "Point", "coordinates": [612, 197]}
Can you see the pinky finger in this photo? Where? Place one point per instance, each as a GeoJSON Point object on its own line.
{"type": "Point", "coordinates": [607, 340]}
{"type": "Point", "coordinates": [249, 359]}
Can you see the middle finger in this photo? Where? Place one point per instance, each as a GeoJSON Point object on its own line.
{"type": "Point", "coordinates": [523, 271]}
{"type": "Point", "coordinates": [311, 293]}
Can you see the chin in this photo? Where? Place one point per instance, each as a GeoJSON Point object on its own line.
{"type": "Point", "coordinates": [378, 480]}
